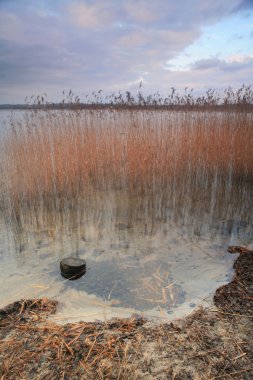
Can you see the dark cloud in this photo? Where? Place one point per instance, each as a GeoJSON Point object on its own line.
{"type": "Point", "coordinates": [244, 5]}
{"type": "Point", "coordinates": [205, 64]}
{"type": "Point", "coordinates": [215, 63]}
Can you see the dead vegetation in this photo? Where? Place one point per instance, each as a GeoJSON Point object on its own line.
{"type": "Point", "coordinates": [65, 156]}
{"type": "Point", "coordinates": [71, 160]}
{"type": "Point", "coordinates": [214, 343]}
{"type": "Point", "coordinates": [152, 150]}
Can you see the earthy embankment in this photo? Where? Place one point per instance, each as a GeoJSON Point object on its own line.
{"type": "Point", "coordinates": [214, 343]}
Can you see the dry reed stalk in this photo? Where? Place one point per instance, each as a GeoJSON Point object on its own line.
{"type": "Point", "coordinates": [54, 161]}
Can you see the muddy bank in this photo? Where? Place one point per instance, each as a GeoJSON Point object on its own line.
{"type": "Point", "coordinates": [214, 343]}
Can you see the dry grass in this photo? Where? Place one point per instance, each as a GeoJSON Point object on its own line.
{"type": "Point", "coordinates": [72, 159]}
{"type": "Point", "coordinates": [56, 157]}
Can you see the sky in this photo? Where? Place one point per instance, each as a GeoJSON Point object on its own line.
{"type": "Point", "coordinates": [47, 46]}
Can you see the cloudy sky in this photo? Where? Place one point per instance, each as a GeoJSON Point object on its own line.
{"type": "Point", "coordinates": [48, 46]}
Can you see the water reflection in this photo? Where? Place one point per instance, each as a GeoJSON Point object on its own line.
{"type": "Point", "coordinates": [220, 209]}
{"type": "Point", "coordinates": [143, 254]}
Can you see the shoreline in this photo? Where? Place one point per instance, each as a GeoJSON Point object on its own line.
{"type": "Point", "coordinates": [210, 343]}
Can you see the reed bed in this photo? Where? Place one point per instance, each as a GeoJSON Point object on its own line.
{"type": "Point", "coordinates": [58, 160]}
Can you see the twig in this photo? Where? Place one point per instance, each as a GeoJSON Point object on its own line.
{"type": "Point", "coordinates": [233, 373]}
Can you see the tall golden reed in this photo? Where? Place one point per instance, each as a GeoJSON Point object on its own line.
{"type": "Point", "coordinates": [54, 159]}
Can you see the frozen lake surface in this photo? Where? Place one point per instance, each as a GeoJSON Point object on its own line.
{"type": "Point", "coordinates": [164, 275]}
